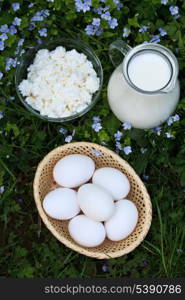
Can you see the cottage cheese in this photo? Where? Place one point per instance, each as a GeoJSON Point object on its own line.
{"type": "Point", "coordinates": [59, 83]}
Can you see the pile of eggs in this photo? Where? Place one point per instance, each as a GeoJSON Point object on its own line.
{"type": "Point", "coordinates": [92, 199]}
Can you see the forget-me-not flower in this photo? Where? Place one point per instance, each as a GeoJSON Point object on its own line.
{"type": "Point", "coordinates": [68, 138]}
{"type": "Point", "coordinates": [127, 150]}
{"type": "Point", "coordinates": [126, 32]}
{"type": "Point", "coordinates": [3, 37]}
{"type": "Point", "coordinates": [90, 30]}
{"type": "Point", "coordinates": [143, 29]}
{"type": "Point", "coordinates": [97, 127]}
{"type": "Point", "coordinates": [63, 131]}
{"type": "Point", "coordinates": [96, 22]}
{"type": "Point", "coordinates": [95, 152]}
{"type": "Point", "coordinates": [2, 189]}
{"type": "Point", "coordinates": [162, 32]}
{"type": "Point", "coordinates": [43, 32]}
{"type": "Point", "coordinates": [106, 16]}
{"type": "Point", "coordinates": [164, 2]}
{"type": "Point", "coordinates": [174, 10]}
{"type": "Point", "coordinates": [169, 135]}
{"type": "Point", "coordinates": [118, 135]}
{"type": "Point", "coordinates": [113, 23]}
{"type": "Point", "coordinates": [12, 30]}
{"type": "Point", "coordinates": [16, 21]}
{"type": "Point", "coordinates": [1, 75]}
{"type": "Point", "coordinates": [2, 46]}
{"type": "Point", "coordinates": [16, 6]}
{"type": "Point", "coordinates": [4, 28]}
{"type": "Point", "coordinates": [127, 125]}
{"type": "Point", "coordinates": [83, 5]}
{"type": "Point", "coordinates": [96, 119]}
{"type": "Point", "coordinates": [155, 39]}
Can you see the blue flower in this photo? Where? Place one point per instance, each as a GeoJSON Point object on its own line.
{"type": "Point", "coordinates": [127, 125]}
{"type": "Point", "coordinates": [98, 31]}
{"type": "Point", "coordinates": [68, 138]}
{"type": "Point", "coordinates": [40, 15]}
{"type": "Point", "coordinates": [176, 118]}
{"type": "Point", "coordinates": [37, 18]}
{"type": "Point", "coordinates": [10, 62]}
{"type": "Point", "coordinates": [162, 32]}
{"type": "Point", "coordinates": [12, 30]}
{"type": "Point", "coordinates": [118, 145]}
{"type": "Point", "coordinates": [96, 119]}
{"type": "Point", "coordinates": [4, 28]}
{"type": "Point", "coordinates": [31, 5]}
{"type": "Point", "coordinates": [16, 21]}
{"type": "Point", "coordinates": [2, 189]}
{"type": "Point", "coordinates": [118, 135]}
{"type": "Point", "coordinates": [96, 126]}
{"type": "Point", "coordinates": [143, 29]}
{"type": "Point", "coordinates": [1, 75]}
{"type": "Point", "coordinates": [1, 115]}
{"type": "Point", "coordinates": [164, 2]}
{"type": "Point", "coordinates": [172, 119]}
{"type": "Point", "coordinates": [43, 32]}
{"type": "Point", "coordinates": [155, 39]}
{"type": "Point", "coordinates": [90, 30]}
{"type": "Point", "coordinates": [2, 46]}
{"type": "Point", "coordinates": [95, 152]}
{"type": "Point", "coordinates": [83, 5]}
{"type": "Point", "coordinates": [32, 26]}
{"type": "Point", "coordinates": [106, 16]}
{"type": "Point", "coordinates": [96, 22]}
{"type": "Point", "coordinates": [157, 130]}
{"type": "Point", "coordinates": [127, 150]}
{"type": "Point", "coordinates": [3, 37]}
{"type": "Point", "coordinates": [169, 121]}
{"type": "Point", "coordinates": [20, 42]}
{"type": "Point", "coordinates": [169, 135]}
{"type": "Point", "coordinates": [45, 13]}
{"type": "Point", "coordinates": [126, 32]}
{"type": "Point", "coordinates": [174, 10]}
{"type": "Point", "coordinates": [113, 23]}
{"type": "Point", "coordinates": [16, 6]}
{"type": "Point", "coordinates": [119, 6]}
{"type": "Point", "coordinates": [63, 130]}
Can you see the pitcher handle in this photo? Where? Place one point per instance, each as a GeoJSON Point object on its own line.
{"type": "Point", "coordinates": [117, 50]}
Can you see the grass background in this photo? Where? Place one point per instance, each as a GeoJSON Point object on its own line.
{"type": "Point", "coordinates": [27, 248]}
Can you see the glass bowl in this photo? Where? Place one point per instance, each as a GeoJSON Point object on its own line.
{"type": "Point", "coordinates": [25, 60]}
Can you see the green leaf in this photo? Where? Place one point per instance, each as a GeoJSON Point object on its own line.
{"type": "Point", "coordinates": [112, 124]}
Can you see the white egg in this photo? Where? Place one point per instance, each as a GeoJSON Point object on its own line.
{"type": "Point", "coordinates": [61, 204]}
{"type": "Point", "coordinates": [86, 232]}
{"type": "Point", "coordinates": [113, 180]}
{"type": "Point", "coordinates": [95, 202]}
{"type": "Point", "coordinates": [73, 170]}
{"type": "Point", "coordinates": [123, 221]}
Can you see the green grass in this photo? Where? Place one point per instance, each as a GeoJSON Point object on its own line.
{"type": "Point", "coordinates": [30, 251]}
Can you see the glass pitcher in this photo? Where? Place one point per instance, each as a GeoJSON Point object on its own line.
{"type": "Point", "coordinates": [144, 88]}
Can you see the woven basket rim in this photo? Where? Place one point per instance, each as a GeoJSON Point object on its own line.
{"type": "Point", "coordinates": [64, 240]}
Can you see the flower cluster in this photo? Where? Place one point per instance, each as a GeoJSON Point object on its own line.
{"type": "Point", "coordinates": [96, 124]}
{"type": "Point", "coordinates": [173, 119]}
{"type": "Point", "coordinates": [103, 13]}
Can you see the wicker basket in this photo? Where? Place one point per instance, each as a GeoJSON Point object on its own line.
{"type": "Point", "coordinates": [43, 183]}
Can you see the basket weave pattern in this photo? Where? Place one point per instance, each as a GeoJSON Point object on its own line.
{"type": "Point", "coordinates": [43, 183]}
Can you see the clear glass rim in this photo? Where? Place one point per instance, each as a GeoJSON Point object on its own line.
{"type": "Point", "coordinates": [79, 45]}
{"type": "Point", "coordinates": [169, 56]}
